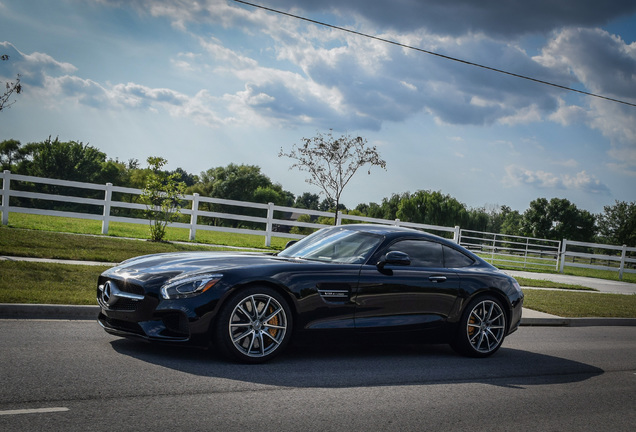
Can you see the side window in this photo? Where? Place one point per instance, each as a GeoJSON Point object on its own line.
{"type": "Point", "coordinates": [422, 253]}
{"type": "Point", "coordinates": [455, 259]}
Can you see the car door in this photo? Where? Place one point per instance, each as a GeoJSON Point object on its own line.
{"type": "Point", "coordinates": [417, 295]}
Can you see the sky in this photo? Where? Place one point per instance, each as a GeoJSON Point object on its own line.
{"type": "Point", "coordinates": [208, 83]}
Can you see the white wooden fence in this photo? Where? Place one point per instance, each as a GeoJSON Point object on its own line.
{"type": "Point", "coordinates": [513, 251]}
{"type": "Point", "coordinates": [269, 222]}
{"type": "Point", "coordinates": [614, 262]}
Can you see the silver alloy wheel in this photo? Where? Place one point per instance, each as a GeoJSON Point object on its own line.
{"type": "Point", "coordinates": [258, 325]}
{"type": "Point", "coordinates": [486, 326]}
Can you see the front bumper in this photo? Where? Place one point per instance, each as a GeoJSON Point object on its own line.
{"type": "Point", "coordinates": [147, 317]}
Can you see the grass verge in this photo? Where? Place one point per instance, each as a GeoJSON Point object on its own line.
{"type": "Point", "coordinates": [45, 244]}
{"type": "Point", "coordinates": [139, 231]}
{"type": "Point", "coordinates": [43, 283]}
{"type": "Point", "coordinates": [581, 304]}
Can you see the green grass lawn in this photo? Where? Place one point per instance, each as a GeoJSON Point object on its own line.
{"type": "Point", "coordinates": [46, 244]}
{"type": "Point", "coordinates": [581, 304]}
{"type": "Point", "coordinates": [43, 283]}
{"type": "Point", "coordinates": [139, 231]}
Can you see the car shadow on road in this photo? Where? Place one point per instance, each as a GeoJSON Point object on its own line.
{"type": "Point", "coordinates": [363, 366]}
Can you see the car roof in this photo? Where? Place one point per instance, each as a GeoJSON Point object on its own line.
{"type": "Point", "coordinates": [391, 231]}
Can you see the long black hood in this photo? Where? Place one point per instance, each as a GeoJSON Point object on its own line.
{"type": "Point", "coordinates": [165, 266]}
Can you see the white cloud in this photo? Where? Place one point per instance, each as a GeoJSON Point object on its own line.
{"type": "Point", "coordinates": [570, 163]}
{"type": "Point", "coordinates": [517, 176]}
{"type": "Point", "coordinates": [33, 68]}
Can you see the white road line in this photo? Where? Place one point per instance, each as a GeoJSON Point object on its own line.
{"type": "Point", "coordinates": [33, 411]}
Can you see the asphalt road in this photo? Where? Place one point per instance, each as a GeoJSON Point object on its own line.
{"type": "Point", "coordinates": [71, 376]}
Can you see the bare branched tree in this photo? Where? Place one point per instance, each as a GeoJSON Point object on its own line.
{"type": "Point", "coordinates": [10, 89]}
{"type": "Point", "coordinates": [332, 162]}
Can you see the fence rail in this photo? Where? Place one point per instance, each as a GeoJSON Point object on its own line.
{"type": "Point", "coordinates": [513, 251]}
{"type": "Point", "coordinates": [620, 263]}
{"type": "Point", "coordinates": [276, 221]}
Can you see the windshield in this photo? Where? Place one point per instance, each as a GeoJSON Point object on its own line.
{"type": "Point", "coordinates": [334, 245]}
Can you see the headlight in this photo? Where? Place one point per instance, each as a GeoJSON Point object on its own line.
{"type": "Point", "coordinates": [189, 286]}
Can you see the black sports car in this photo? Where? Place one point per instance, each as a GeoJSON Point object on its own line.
{"type": "Point", "coordinates": [361, 281]}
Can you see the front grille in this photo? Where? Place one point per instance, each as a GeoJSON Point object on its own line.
{"type": "Point", "coordinates": [126, 305]}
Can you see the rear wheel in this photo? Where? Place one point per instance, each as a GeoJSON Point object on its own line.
{"type": "Point", "coordinates": [482, 328]}
{"type": "Point", "coordinates": [254, 325]}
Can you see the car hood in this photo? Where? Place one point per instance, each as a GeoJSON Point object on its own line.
{"type": "Point", "coordinates": [168, 265]}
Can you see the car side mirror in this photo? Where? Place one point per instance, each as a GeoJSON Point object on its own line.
{"type": "Point", "coordinates": [290, 243]}
{"type": "Point", "coordinates": [394, 258]}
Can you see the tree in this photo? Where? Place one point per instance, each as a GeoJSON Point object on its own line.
{"type": "Point", "coordinates": [307, 201]}
{"type": "Point", "coordinates": [511, 221]}
{"type": "Point", "coordinates": [569, 222]}
{"type": "Point", "coordinates": [64, 160]}
{"type": "Point", "coordinates": [535, 219]}
{"type": "Point", "coordinates": [10, 153]}
{"type": "Point", "coordinates": [10, 89]}
{"type": "Point", "coordinates": [332, 162]}
{"type": "Point", "coordinates": [433, 208]}
{"type": "Point", "coordinates": [239, 183]}
{"type": "Point", "coordinates": [558, 219]}
{"type": "Point", "coordinates": [617, 224]}
{"type": "Point", "coordinates": [162, 195]}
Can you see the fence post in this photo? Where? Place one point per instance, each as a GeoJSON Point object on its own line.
{"type": "Point", "coordinates": [396, 222]}
{"type": "Point", "coordinates": [457, 236]}
{"type": "Point", "coordinates": [623, 256]}
{"type": "Point", "coordinates": [108, 196]}
{"type": "Point", "coordinates": [270, 223]}
{"type": "Point", "coordinates": [557, 257]}
{"type": "Point", "coordinates": [6, 187]}
{"type": "Point", "coordinates": [338, 217]}
{"type": "Point", "coordinates": [193, 216]}
{"type": "Point", "coordinates": [563, 250]}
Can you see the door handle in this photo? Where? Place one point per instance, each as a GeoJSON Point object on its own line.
{"type": "Point", "coordinates": [436, 279]}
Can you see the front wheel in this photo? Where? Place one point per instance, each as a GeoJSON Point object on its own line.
{"type": "Point", "coordinates": [254, 325]}
{"type": "Point", "coordinates": [482, 328]}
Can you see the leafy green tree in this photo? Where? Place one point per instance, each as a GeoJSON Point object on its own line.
{"type": "Point", "coordinates": [66, 161]}
{"type": "Point", "coordinates": [433, 208]}
{"type": "Point", "coordinates": [387, 209]}
{"type": "Point", "coordinates": [162, 195]}
{"type": "Point", "coordinates": [617, 223]}
{"type": "Point", "coordinates": [558, 219]}
{"type": "Point", "coordinates": [511, 221]}
{"type": "Point", "coordinates": [307, 201]}
{"type": "Point", "coordinates": [185, 177]}
{"type": "Point", "coordinates": [569, 222]}
{"type": "Point", "coordinates": [479, 220]}
{"type": "Point", "coordinates": [10, 154]}
{"type": "Point", "coordinates": [235, 182]}
{"type": "Point", "coordinates": [332, 162]}
{"type": "Point", "coordinates": [240, 183]}
{"type": "Point", "coordinates": [536, 222]}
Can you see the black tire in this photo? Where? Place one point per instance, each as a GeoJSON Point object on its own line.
{"type": "Point", "coordinates": [254, 325]}
{"type": "Point", "coordinates": [482, 328]}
